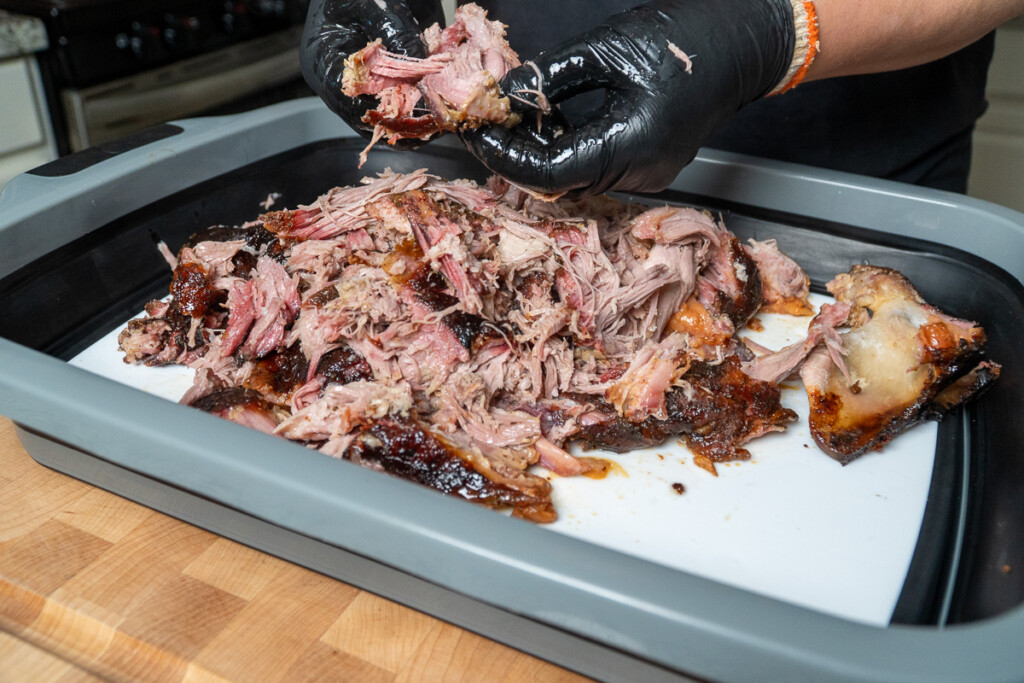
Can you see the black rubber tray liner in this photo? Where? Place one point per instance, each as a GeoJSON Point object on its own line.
{"type": "Point", "coordinates": [968, 561]}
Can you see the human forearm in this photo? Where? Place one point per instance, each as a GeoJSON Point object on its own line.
{"type": "Point", "coordinates": [867, 36]}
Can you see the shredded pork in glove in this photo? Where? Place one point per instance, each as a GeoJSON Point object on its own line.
{"type": "Point", "coordinates": [454, 87]}
{"type": "Point", "coordinates": [456, 334]}
{"type": "Point", "coordinates": [336, 29]}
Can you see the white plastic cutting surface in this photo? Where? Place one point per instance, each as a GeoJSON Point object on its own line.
{"type": "Point", "coordinates": [791, 523]}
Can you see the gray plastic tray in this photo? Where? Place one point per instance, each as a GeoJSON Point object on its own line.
{"type": "Point", "coordinates": [591, 609]}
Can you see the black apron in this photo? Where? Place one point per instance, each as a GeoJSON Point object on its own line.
{"type": "Point", "coordinates": [912, 125]}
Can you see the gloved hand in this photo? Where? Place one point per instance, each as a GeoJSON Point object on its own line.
{"type": "Point", "coordinates": [673, 71]}
{"type": "Point", "coordinates": [337, 28]}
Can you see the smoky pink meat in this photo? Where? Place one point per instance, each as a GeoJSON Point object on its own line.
{"type": "Point", "coordinates": [460, 335]}
{"type": "Point", "coordinates": [454, 87]}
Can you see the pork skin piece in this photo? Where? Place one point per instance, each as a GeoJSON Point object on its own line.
{"type": "Point", "coordinates": [240, 405]}
{"type": "Point", "coordinates": [730, 285]}
{"type": "Point", "coordinates": [784, 284]}
{"type": "Point", "coordinates": [280, 374]}
{"type": "Point", "coordinates": [404, 448]}
{"type": "Point", "coordinates": [157, 340]}
{"type": "Point", "coordinates": [906, 360]}
{"type": "Point", "coordinates": [716, 407]}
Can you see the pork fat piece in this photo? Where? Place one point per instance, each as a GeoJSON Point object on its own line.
{"type": "Point", "coordinates": [903, 361]}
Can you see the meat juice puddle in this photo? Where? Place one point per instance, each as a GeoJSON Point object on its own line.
{"type": "Point", "coordinates": [790, 523]}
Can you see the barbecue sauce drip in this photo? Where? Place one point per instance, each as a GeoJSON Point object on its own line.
{"type": "Point", "coordinates": [404, 261]}
{"type": "Point", "coordinates": [601, 468]}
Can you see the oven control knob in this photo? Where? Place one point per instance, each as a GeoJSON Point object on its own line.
{"type": "Point", "coordinates": [145, 41]}
{"type": "Point", "coordinates": [236, 20]}
{"type": "Point", "coordinates": [269, 8]}
{"type": "Point", "coordinates": [181, 34]}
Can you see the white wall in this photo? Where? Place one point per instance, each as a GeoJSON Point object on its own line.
{"type": "Point", "coordinates": [449, 9]}
{"type": "Point", "coordinates": [997, 167]}
{"type": "Point", "coordinates": [25, 137]}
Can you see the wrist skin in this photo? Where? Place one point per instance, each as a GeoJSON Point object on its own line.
{"type": "Point", "coordinates": [870, 36]}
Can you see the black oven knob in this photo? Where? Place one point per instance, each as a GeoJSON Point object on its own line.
{"type": "Point", "coordinates": [181, 34]}
{"type": "Point", "coordinates": [144, 41]}
{"type": "Point", "coordinates": [269, 9]}
{"type": "Point", "coordinates": [236, 19]}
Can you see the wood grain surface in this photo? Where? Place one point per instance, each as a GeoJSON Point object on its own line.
{"type": "Point", "coordinates": [95, 587]}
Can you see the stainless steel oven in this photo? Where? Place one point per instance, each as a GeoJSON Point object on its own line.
{"type": "Point", "coordinates": [114, 67]}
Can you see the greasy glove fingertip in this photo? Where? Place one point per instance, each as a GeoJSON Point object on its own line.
{"type": "Point", "coordinates": [486, 142]}
{"type": "Point", "coordinates": [520, 85]}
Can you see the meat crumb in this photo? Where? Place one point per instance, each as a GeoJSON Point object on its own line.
{"type": "Point", "coordinates": [683, 57]}
{"type": "Point", "coordinates": [168, 255]}
{"type": "Point", "coordinates": [678, 488]}
{"type": "Point", "coordinates": [270, 201]}
{"type": "Point", "coordinates": [705, 463]}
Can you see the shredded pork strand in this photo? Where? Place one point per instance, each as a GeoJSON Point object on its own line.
{"type": "Point", "coordinates": [682, 56]}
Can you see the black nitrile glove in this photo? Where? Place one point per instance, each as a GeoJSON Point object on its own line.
{"type": "Point", "coordinates": [337, 28]}
{"type": "Point", "coordinates": [673, 71]}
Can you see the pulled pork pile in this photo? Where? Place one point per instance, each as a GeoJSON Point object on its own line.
{"type": "Point", "coordinates": [456, 334]}
{"type": "Point", "coordinates": [454, 87]}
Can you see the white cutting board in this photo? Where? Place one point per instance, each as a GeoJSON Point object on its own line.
{"type": "Point", "coordinates": [791, 523]}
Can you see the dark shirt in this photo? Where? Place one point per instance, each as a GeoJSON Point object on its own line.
{"type": "Point", "coordinates": [912, 125]}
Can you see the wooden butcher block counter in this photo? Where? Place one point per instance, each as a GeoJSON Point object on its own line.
{"type": "Point", "coordinates": [95, 587]}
